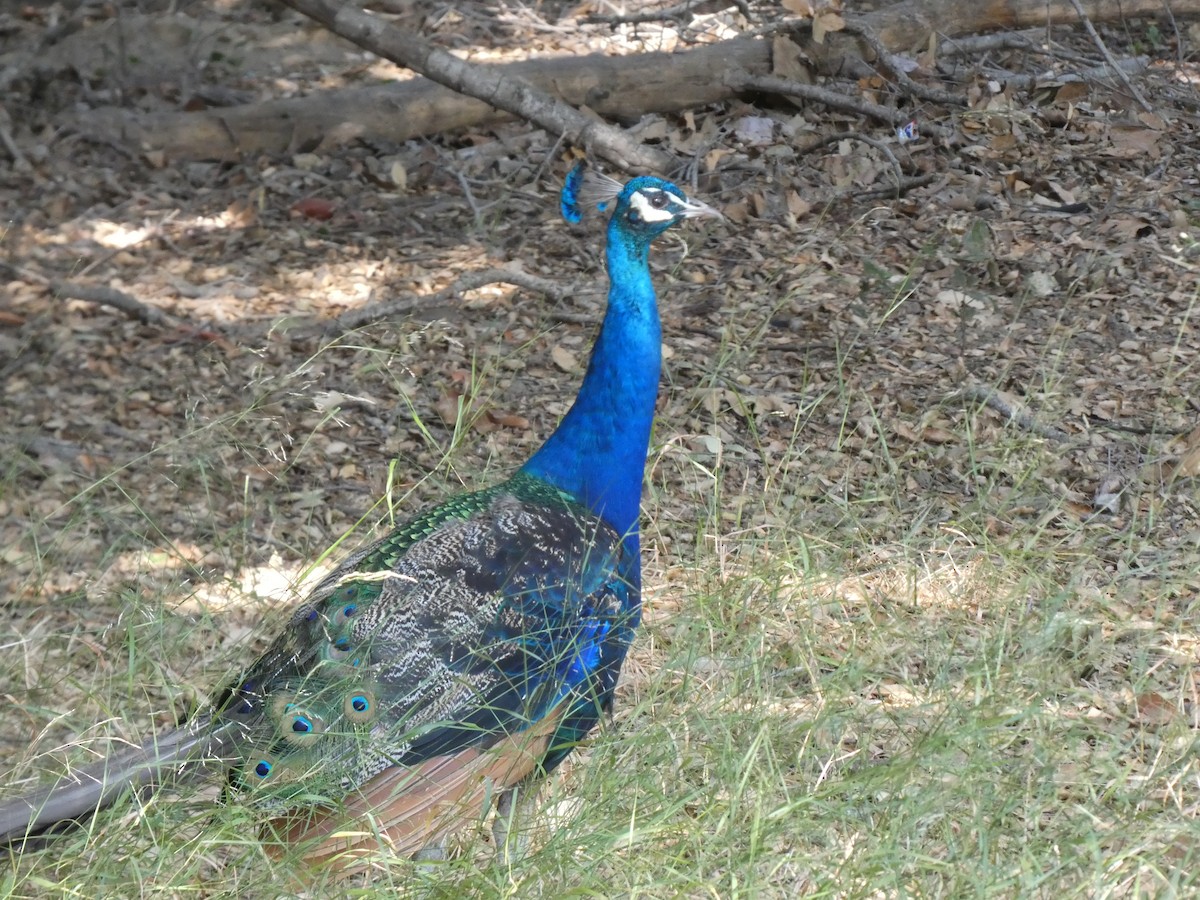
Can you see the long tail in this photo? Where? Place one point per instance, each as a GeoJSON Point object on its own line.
{"type": "Point", "coordinates": [184, 754]}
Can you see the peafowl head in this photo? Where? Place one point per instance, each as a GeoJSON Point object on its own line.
{"type": "Point", "coordinates": [643, 208]}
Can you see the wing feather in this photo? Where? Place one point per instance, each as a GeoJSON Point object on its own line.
{"type": "Point", "coordinates": [407, 688]}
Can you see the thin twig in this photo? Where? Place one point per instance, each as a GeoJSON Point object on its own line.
{"type": "Point", "coordinates": [548, 159]}
{"type": "Point", "coordinates": [772, 85]}
{"type": "Point", "coordinates": [568, 318]}
{"type": "Point", "coordinates": [1112, 60]}
{"type": "Point", "coordinates": [1010, 409]}
{"type": "Point", "coordinates": [1142, 430]}
{"type": "Point", "coordinates": [20, 163]}
{"type": "Point", "coordinates": [903, 186]}
{"type": "Point", "coordinates": [1179, 42]}
{"type": "Point", "coordinates": [106, 296]}
{"type": "Point", "coordinates": [889, 62]}
{"type": "Point", "coordinates": [855, 136]}
{"type": "Point", "coordinates": [470, 195]}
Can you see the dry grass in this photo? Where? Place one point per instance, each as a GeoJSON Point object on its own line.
{"type": "Point", "coordinates": [838, 691]}
{"type": "Point", "coordinates": [893, 644]}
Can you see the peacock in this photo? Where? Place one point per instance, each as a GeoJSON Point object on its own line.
{"type": "Point", "coordinates": [447, 667]}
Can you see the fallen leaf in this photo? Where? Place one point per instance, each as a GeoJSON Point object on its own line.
{"type": "Point", "coordinates": [1107, 497]}
{"type": "Point", "coordinates": [448, 407]}
{"type": "Point", "coordinates": [1128, 143]}
{"type": "Point", "coordinates": [824, 23]}
{"type": "Point", "coordinates": [797, 205]}
{"type": "Point", "coordinates": [241, 213]}
{"type": "Point", "coordinates": [399, 175]}
{"type": "Point", "coordinates": [788, 61]}
{"type": "Point", "coordinates": [1153, 710]}
{"type": "Point", "coordinates": [755, 131]}
{"type": "Point", "coordinates": [564, 358]}
{"type": "Point", "coordinates": [509, 420]}
{"type": "Point", "coordinates": [314, 208]}
{"type": "Point", "coordinates": [737, 212]}
{"type": "Point", "coordinates": [1071, 92]}
{"type": "Point", "coordinates": [935, 435]}
{"type": "Point", "coordinates": [1188, 464]}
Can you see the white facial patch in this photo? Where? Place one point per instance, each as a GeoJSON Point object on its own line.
{"type": "Point", "coordinates": [641, 205]}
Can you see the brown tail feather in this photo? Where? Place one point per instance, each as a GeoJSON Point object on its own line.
{"type": "Point", "coordinates": [408, 809]}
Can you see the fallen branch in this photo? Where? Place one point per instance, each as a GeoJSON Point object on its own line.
{"type": "Point", "coordinates": [497, 89]}
{"type": "Point", "coordinates": [772, 85]}
{"type": "Point", "coordinates": [615, 87]}
{"type": "Point", "coordinates": [984, 43]}
{"type": "Point", "coordinates": [678, 11]}
{"type": "Point", "coordinates": [406, 306]}
{"type": "Point", "coordinates": [1089, 76]}
{"type": "Point", "coordinates": [834, 100]}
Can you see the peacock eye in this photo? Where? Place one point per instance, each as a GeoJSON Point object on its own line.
{"type": "Point", "coordinates": [658, 200]}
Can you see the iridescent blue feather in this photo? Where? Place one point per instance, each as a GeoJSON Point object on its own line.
{"type": "Point", "coordinates": [569, 199]}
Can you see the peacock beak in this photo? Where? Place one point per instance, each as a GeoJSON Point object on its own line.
{"type": "Point", "coordinates": [695, 208]}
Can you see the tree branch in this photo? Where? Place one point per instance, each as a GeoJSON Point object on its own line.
{"type": "Point", "coordinates": [496, 89]}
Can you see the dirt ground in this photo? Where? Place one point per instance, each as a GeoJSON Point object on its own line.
{"type": "Point", "coordinates": [829, 345]}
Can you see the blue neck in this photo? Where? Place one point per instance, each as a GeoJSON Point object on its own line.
{"type": "Point", "coordinates": [598, 452]}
